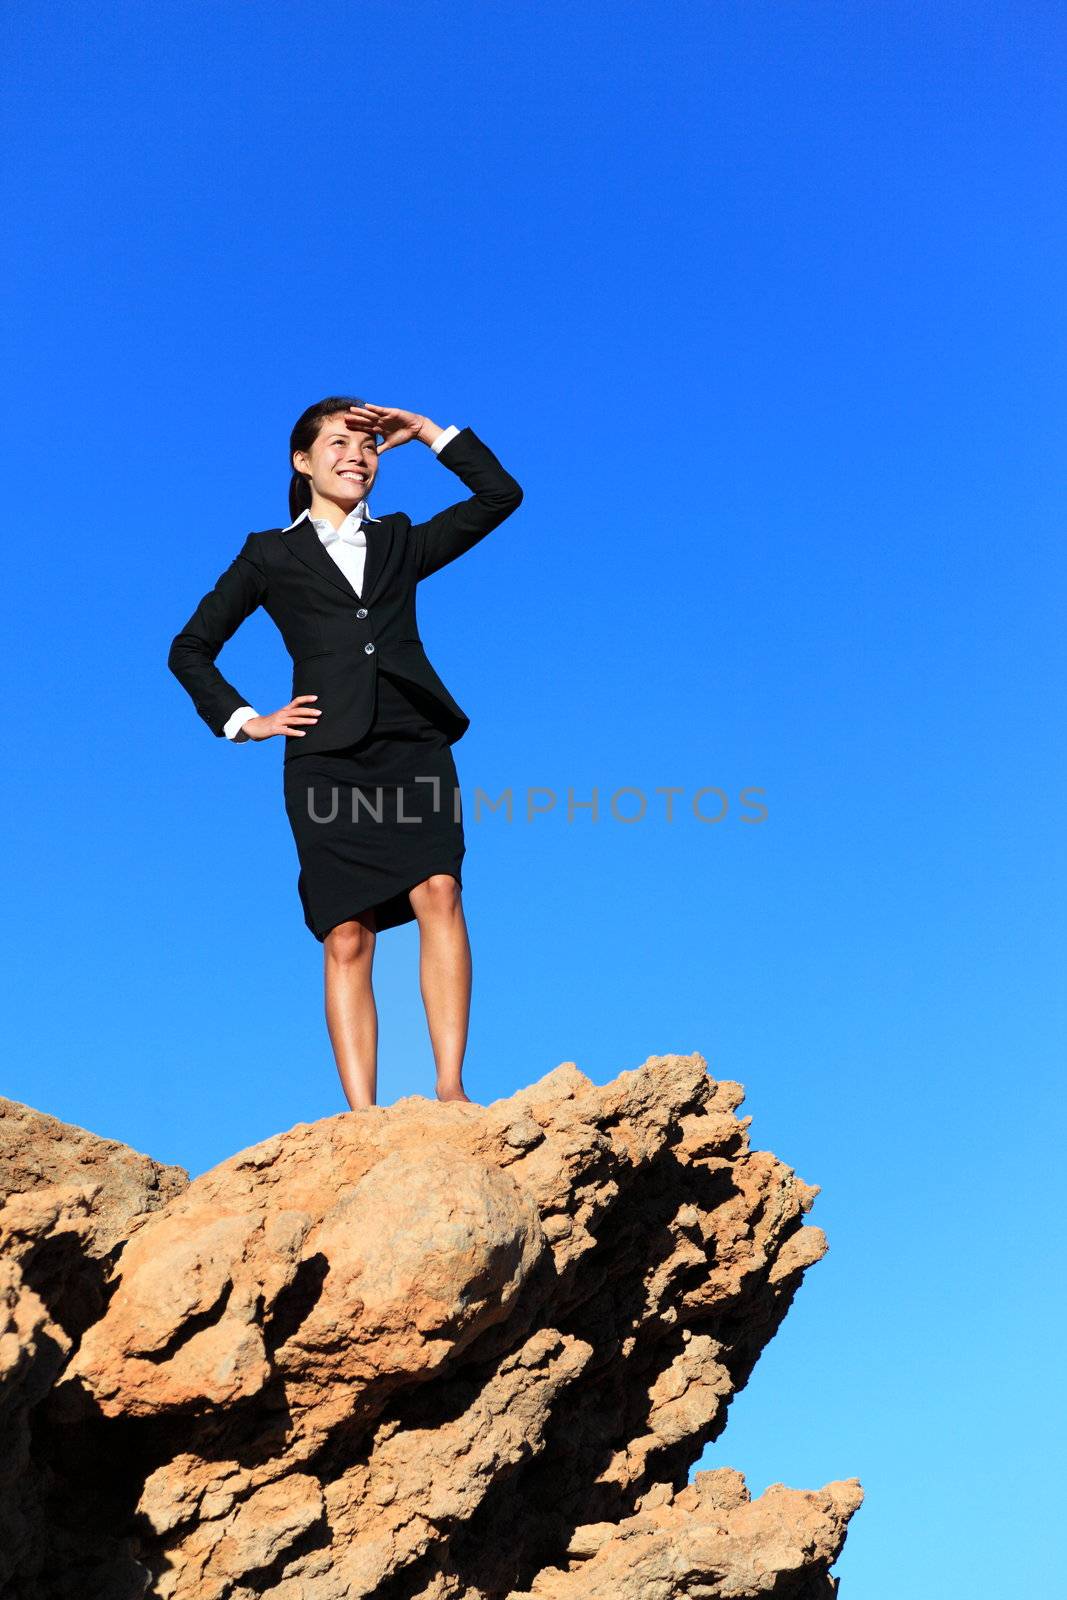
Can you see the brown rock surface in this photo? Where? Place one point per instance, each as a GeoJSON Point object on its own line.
{"type": "Point", "coordinates": [428, 1350]}
{"type": "Point", "coordinates": [68, 1202]}
{"type": "Point", "coordinates": [37, 1151]}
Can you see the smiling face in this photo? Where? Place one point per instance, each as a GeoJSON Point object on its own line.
{"type": "Point", "coordinates": [342, 465]}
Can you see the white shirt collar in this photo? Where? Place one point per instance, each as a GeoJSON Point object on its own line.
{"type": "Point", "coordinates": [359, 513]}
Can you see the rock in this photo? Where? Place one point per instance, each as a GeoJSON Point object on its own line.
{"type": "Point", "coordinates": [441, 1351]}
{"type": "Point", "coordinates": [68, 1203]}
{"type": "Point", "coordinates": [38, 1152]}
{"type": "Point", "coordinates": [711, 1540]}
{"type": "Point", "coordinates": [32, 1349]}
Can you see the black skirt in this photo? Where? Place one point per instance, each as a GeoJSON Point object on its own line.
{"type": "Point", "coordinates": [375, 818]}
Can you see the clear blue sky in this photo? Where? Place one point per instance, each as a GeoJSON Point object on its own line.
{"type": "Point", "coordinates": [763, 306]}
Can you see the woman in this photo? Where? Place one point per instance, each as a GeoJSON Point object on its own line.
{"type": "Point", "coordinates": [370, 783]}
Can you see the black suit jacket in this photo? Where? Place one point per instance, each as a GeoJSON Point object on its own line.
{"type": "Point", "coordinates": [337, 638]}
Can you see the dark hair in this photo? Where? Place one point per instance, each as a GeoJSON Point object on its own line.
{"type": "Point", "coordinates": [303, 436]}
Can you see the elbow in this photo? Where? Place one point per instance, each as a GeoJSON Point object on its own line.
{"type": "Point", "coordinates": [184, 650]}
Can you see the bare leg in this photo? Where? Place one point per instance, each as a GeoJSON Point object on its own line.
{"type": "Point", "coordinates": [351, 1015]}
{"type": "Point", "coordinates": [444, 977]}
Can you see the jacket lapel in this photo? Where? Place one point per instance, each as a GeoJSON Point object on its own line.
{"type": "Point", "coordinates": [304, 542]}
{"type": "Point", "coordinates": [379, 544]}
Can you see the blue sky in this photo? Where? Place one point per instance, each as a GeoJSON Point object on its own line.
{"type": "Point", "coordinates": [763, 306]}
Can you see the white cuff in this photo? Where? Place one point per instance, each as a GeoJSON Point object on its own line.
{"type": "Point", "coordinates": [443, 439]}
{"type": "Point", "coordinates": [232, 728]}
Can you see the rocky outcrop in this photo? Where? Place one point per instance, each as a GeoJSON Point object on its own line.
{"type": "Point", "coordinates": [427, 1350]}
{"type": "Point", "coordinates": [68, 1203]}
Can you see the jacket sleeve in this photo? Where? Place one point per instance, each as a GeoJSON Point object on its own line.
{"type": "Point", "coordinates": [455, 530]}
{"type": "Point", "coordinates": [238, 592]}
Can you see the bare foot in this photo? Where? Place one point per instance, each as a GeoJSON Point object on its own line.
{"type": "Point", "coordinates": [455, 1092]}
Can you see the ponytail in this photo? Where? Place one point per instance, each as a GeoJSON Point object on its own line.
{"type": "Point", "coordinates": [299, 494]}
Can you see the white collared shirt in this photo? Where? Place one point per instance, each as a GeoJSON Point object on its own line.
{"type": "Point", "coordinates": [349, 546]}
{"type": "Point", "coordinates": [349, 550]}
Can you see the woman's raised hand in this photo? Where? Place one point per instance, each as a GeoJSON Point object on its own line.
{"type": "Point", "coordinates": [395, 426]}
{"type": "Point", "coordinates": [288, 720]}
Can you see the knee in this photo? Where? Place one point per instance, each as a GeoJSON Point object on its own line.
{"type": "Point", "coordinates": [438, 895]}
{"type": "Point", "coordinates": [349, 941]}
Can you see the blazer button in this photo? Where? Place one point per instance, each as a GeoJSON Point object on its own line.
{"type": "Point", "coordinates": [368, 649]}
{"type": "Point", "coordinates": [362, 612]}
